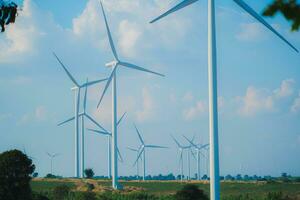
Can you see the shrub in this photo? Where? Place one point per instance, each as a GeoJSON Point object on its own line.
{"type": "Point", "coordinates": [15, 171]}
{"type": "Point", "coordinates": [61, 192]}
{"type": "Point", "coordinates": [89, 173]}
{"type": "Point", "coordinates": [190, 192]}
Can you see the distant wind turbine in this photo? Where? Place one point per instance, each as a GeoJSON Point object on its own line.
{"type": "Point", "coordinates": [181, 148]}
{"type": "Point", "coordinates": [137, 163]}
{"type": "Point", "coordinates": [113, 78]}
{"type": "Point", "coordinates": [77, 90]}
{"type": "Point", "coordinates": [109, 135]}
{"type": "Point", "coordinates": [52, 156]}
{"type": "Point", "coordinates": [212, 80]}
{"type": "Point", "coordinates": [142, 150]}
{"type": "Point", "coordinates": [198, 150]}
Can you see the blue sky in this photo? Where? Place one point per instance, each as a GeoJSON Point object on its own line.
{"type": "Point", "coordinates": [259, 85]}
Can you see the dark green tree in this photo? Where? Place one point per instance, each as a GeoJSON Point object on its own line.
{"type": "Point", "coordinates": [8, 13]}
{"type": "Point", "coordinates": [190, 192]}
{"type": "Point", "coordinates": [290, 9]}
{"type": "Point", "coordinates": [15, 175]}
{"type": "Point", "coordinates": [89, 173]}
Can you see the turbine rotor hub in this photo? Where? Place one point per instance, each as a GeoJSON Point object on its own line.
{"type": "Point", "coordinates": [112, 64]}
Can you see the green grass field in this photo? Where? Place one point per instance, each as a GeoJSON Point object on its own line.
{"type": "Point", "coordinates": [228, 189]}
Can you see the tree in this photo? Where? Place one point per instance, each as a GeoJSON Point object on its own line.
{"type": "Point", "coordinates": [89, 173]}
{"type": "Point", "coordinates": [290, 9]}
{"type": "Point", "coordinates": [8, 13]}
{"type": "Point", "coordinates": [190, 192]}
{"type": "Point", "coordinates": [35, 175]}
{"type": "Point", "coordinates": [15, 175]}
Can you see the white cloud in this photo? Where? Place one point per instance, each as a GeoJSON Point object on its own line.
{"type": "Point", "coordinates": [148, 105]}
{"type": "Point", "coordinates": [194, 111]}
{"type": "Point", "coordinates": [258, 100]}
{"type": "Point", "coordinates": [188, 96]}
{"type": "Point", "coordinates": [286, 89]}
{"type": "Point", "coordinates": [250, 32]}
{"type": "Point", "coordinates": [221, 102]}
{"type": "Point", "coordinates": [295, 108]}
{"type": "Point", "coordinates": [19, 37]}
{"type": "Point", "coordinates": [129, 36]}
{"type": "Point", "coordinates": [254, 101]}
{"type": "Point", "coordinates": [89, 23]}
{"type": "Point", "coordinates": [38, 115]}
{"type": "Point", "coordinates": [5, 116]}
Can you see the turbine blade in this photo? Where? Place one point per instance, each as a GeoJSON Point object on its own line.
{"type": "Point", "coordinates": [100, 132]}
{"type": "Point", "coordinates": [55, 155]}
{"type": "Point", "coordinates": [120, 120]}
{"type": "Point", "coordinates": [119, 155]}
{"type": "Point", "coordinates": [204, 146]}
{"type": "Point", "coordinates": [85, 96]}
{"type": "Point", "coordinates": [174, 9]}
{"type": "Point", "coordinates": [176, 141]}
{"type": "Point", "coordinates": [140, 137]}
{"type": "Point", "coordinates": [94, 82]}
{"type": "Point", "coordinates": [107, 85]}
{"type": "Point", "coordinates": [96, 123]}
{"type": "Point", "coordinates": [132, 66]}
{"type": "Point", "coordinates": [66, 121]}
{"type": "Point", "coordinates": [131, 149]}
{"type": "Point", "coordinates": [138, 156]}
{"type": "Point", "coordinates": [111, 42]}
{"type": "Point", "coordinates": [190, 141]}
{"type": "Point", "coordinates": [66, 70]}
{"type": "Point", "coordinates": [193, 154]}
{"type": "Point", "coordinates": [156, 146]}
{"type": "Point", "coordinates": [254, 14]}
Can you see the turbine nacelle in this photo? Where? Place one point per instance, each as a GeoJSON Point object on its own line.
{"type": "Point", "coordinates": [112, 64]}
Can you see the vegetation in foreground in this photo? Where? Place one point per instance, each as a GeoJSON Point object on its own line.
{"type": "Point", "coordinates": [17, 170]}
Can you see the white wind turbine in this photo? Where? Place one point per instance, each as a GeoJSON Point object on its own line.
{"type": "Point", "coordinates": [77, 90]}
{"type": "Point", "coordinates": [212, 81]}
{"type": "Point", "coordinates": [198, 151]}
{"type": "Point", "coordinates": [113, 78]}
{"type": "Point", "coordinates": [142, 150]}
{"type": "Point", "coordinates": [52, 156]}
{"type": "Point", "coordinates": [137, 163]}
{"type": "Point", "coordinates": [181, 148]}
{"type": "Point", "coordinates": [109, 135]}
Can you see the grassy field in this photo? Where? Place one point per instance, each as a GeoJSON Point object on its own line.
{"type": "Point", "coordinates": [228, 189]}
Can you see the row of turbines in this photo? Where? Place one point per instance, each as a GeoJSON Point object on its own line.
{"type": "Point", "coordinates": [212, 88]}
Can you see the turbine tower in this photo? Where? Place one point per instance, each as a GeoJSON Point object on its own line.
{"type": "Point", "coordinates": [77, 90]}
{"type": "Point", "coordinates": [52, 156]}
{"type": "Point", "coordinates": [212, 82]}
{"type": "Point", "coordinates": [113, 78]}
{"type": "Point", "coordinates": [198, 151]}
{"type": "Point", "coordinates": [142, 150]}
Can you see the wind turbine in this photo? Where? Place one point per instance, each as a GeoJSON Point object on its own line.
{"type": "Point", "coordinates": [137, 163]}
{"type": "Point", "coordinates": [109, 135]}
{"type": "Point", "coordinates": [142, 149]}
{"type": "Point", "coordinates": [212, 81]}
{"type": "Point", "coordinates": [113, 78]}
{"type": "Point", "coordinates": [52, 156]}
{"type": "Point", "coordinates": [83, 115]}
{"type": "Point", "coordinates": [77, 90]}
{"type": "Point", "coordinates": [181, 148]}
{"type": "Point", "coordinates": [198, 151]}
